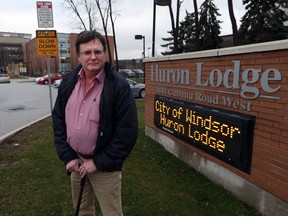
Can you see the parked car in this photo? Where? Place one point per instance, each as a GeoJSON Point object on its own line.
{"type": "Point", "coordinates": [138, 73]}
{"type": "Point", "coordinates": [4, 78]}
{"type": "Point", "coordinates": [54, 77]}
{"type": "Point", "coordinates": [138, 89]}
{"type": "Point", "coordinates": [38, 78]}
{"type": "Point", "coordinates": [57, 83]}
{"type": "Point", "coordinates": [127, 73]}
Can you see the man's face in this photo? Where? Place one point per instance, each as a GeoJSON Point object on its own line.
{"type": "Point", "coordinates": [92, 56]}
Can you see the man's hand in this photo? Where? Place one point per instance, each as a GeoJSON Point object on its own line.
{"type": "Point", "coordinates": [73, 166]}
{"type": "Point", "coordinates": [87, 166]}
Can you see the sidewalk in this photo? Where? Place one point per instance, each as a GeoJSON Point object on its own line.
{"type": "Point", "coordinates": [23, 79]}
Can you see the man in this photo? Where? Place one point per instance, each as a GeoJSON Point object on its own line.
{"type": "Point", "coordinates": [95, 126]}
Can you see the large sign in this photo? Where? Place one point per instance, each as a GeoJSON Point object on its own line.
{"type": "Point", "coordinates": [218, 87]}
{"type": "Point", "coordinates": [47, 44]}
{"type": "Point", "coordinates": [223, 134]}
{"type": "Point", "coordinates": [233, 81]}
{"type": "Point", "coordinates": [44, 14]}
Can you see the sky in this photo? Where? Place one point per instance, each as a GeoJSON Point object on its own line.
{"type": "Point", "coordinates": [134, 17]}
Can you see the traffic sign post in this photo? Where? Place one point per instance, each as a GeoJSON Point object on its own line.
{"type": "Point", "coordinates": [46, 40]}
{"type": "Point", "coordinates": [47, 46]}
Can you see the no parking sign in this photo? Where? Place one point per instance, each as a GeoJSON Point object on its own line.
{"type": "Point", "coordinates": [44, 14]}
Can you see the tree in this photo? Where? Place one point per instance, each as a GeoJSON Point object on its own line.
{"type": "Point", "coordinates": [114, 34]}
{"type": "Point", "coordinates": [263, 21]}
{"type": "Point", "coordinates": [86, 11]}
{"type": "Point", "coordinates": [209, 26]}
{"type": "Point", "coordinates": [87, 14]}
{"type": "Point", "coordinates": [233, 23]}
{"type": "Point", "coordinates": [186, 36]}
{"type": "Point", "coordinates": [104, 24]}
{"type": "Point", "coordinates": [192, 38]}
{"type": "Point", "coordinates": [175, 27]}
{"type": "Point", "coordinates": [169, 45]}
{"type": "Point", "coordinates": [188, 33]}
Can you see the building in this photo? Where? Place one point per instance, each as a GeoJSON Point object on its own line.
{"type": "Point", "coordinates": [65, 61]}
{"type": "Point", "coordinates": [131, 64]}
{"type": "Point", "coordinates": [13, 51]}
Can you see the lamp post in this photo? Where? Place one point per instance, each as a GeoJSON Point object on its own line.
{"type": "Point", "coordinates": [60, 62]}
{"type": "Point", "coordinates": [159, 3]}
{"type": "Point", "coordinates": [140, 37]}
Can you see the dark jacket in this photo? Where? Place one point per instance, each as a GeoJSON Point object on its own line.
{"type": "Point", "coordinates": [118, 123]}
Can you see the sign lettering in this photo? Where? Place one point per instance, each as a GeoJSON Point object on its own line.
{"type": "Point", "coordinates": [47, 44]}
{"type": "Point", "coordinates": [234, 80]}
{"type": "Point", "coordinates": [44, 14]}
{"type": "Point", "coordinates": [224, 134]}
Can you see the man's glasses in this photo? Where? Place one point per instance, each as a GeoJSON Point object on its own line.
{"type": "Point", "coordinates": [88, 53]}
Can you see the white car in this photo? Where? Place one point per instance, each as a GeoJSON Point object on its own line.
{"type": "Point", "coordinates": [4, 78]}
{"type": "Point", "coordinates": [57, 83]}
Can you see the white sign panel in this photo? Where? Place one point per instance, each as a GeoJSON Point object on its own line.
{"type": "Point", "coordinates": [22, 70]}
{"type": "Point", "coordinates": [44, 14]}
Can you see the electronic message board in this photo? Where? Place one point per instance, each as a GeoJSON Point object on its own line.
{"type": "Point", "coordinates": [223, 134]}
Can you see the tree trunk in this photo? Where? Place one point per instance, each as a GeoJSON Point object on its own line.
{"type": "Point", "coordinates": [173, 27]}
{"type": "Point", "coordinates": [88, 10]}
{"type": "Point", "coordinates": [176, 42]}
{"type": "Point", "coordinates": [105, 30]}
{"type": "Point", "coordinates": [197, 29]}
{"type": "Point", "coordinates": [114, 36]}
{"type": "Point", "coordinates": [233, 23]}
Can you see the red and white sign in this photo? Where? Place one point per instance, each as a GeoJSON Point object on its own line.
{"type": "Point", "coordinates": [44, 14]}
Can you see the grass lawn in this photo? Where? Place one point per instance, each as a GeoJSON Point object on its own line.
{"type": "Point", "coordinates": [33, 180]}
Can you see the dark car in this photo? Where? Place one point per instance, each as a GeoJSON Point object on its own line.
{"type": "Point", "coordinates": [138, 73]}
{"type": "Point", "coordinates": [54, 77]}
{"type": "Point", "coordinates": [127, 73]}
{"type": "Point", "coordinates": [138, 89]}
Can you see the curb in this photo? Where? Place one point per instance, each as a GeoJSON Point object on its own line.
{"type": "Point", "coordinates": [6, 136]}
{"type": "Point", "coordinates": [24, 80]}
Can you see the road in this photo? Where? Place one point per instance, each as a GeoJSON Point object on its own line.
{"type": "Point", "coordinates": [23, 102]}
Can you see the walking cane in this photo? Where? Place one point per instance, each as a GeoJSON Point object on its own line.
{"type": "Point", "coordinates": [82, 184]}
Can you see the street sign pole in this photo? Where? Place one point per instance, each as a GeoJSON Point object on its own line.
{"type": "Point", "coordinates": [46, 40]}
{"type": "Point", "coordinates": [49, 81]}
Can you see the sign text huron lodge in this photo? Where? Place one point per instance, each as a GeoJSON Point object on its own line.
{"type": "Point", "coordinates": [233, 82]}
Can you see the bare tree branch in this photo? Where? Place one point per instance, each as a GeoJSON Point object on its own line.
{"type": "Point", "coordinates": [113, 29]}
{"type": "Point", "coordinates": [105, 29]}
{"type": "Point", "coordinates": [75, 10]}
{"type": "Point", "coordinates": [89, 12]}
